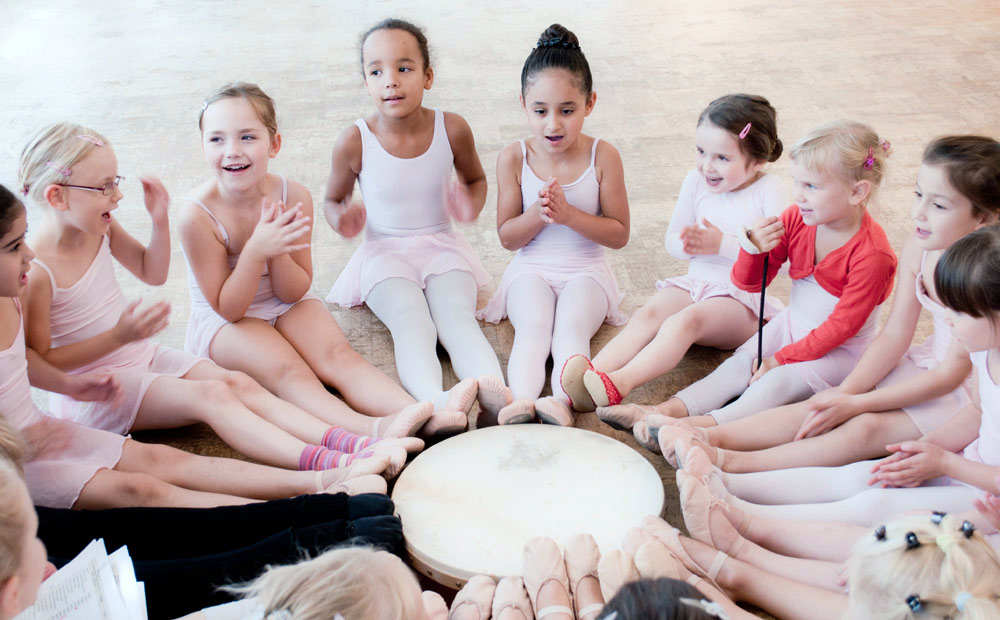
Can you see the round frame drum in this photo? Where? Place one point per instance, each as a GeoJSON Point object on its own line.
{"type": "Point", "coordinates": [469, 503]}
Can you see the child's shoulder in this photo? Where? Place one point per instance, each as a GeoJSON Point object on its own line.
{"type": "Point", "coordinates": [511, 155]}
{"type": "Point", "coordinates": [606, 153]}
{"type": "Point", "coordinates": [457, 128]}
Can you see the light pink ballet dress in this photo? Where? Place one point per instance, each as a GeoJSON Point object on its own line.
{"type": "Point", "coordinates": [708, 274]}
{"type": "Point", "coordinates": [408, 233]}
{"type": "Point", "coordinates": [69, 454]}
{"type": "Point", "coordinates": [986, 448]}
{"type": "Point", "coordinates": [559, 254]}
{"type": "Point", "coordinates": [931, 414]}
{"type": "Point", "coordinates": [93, 306]}
{"type": "Point", "coordinates": [204, 322]}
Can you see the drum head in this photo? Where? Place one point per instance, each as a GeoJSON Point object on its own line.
{"type": "Point", "coordinates": [469, 503]}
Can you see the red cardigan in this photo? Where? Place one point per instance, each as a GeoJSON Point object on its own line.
{"type": "Point", "coordinates": [860, 273]}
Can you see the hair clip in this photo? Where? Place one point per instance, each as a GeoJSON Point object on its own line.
{"type": "Point", "coordinates": [968, 529]}
{"type": "Point", "coordinates": [884, 144]}
{"type": "Point", "coordinates": [204, 106]}
{"type": "Point", "coordinates": [25, 189]}
{"type": "Point", "coordinates": [961, 599]}
{"type": "Point", "coordinates": [880, 533]}
{"type": "Point", "coordinates": [870, 162]}
{"type": "Point", "coordinates": [912, 542]}
{"type": "Point", "coordinates": [280, 614]}
{"type": "Point", "coordinates": [937, 516]}
{"type": "Point", "coordinates": [709, 607]}
{"type": "Point", "coordinates": [65, 172]}
{"type": "Point", "coordinates": [914, 603]}
{"type": "Point", "coordinates": [560, 43]}
{"type": "Point", "coordinates": [96, 141]}
{"type": "Point", "coordinates": [746, 130]}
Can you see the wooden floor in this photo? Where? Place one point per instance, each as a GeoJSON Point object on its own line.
{"type": "Point", "coordinates": [138, 71]}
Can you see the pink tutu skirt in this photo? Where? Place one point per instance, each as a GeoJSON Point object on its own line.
{"type": "Point", "coordinates": [414, 258]}
{"type": "Point", "coordinates": [701, 289]}
{"type": "Point", "coordinates": [555, 273]}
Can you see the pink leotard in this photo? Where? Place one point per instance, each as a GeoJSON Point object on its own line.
{"type": "Point", "coordinates": [68, 455]}
{"type": "Point", "coordinates": [204, 322]}
{"type": "Point", "coordinates": [558, 254]}
{"type": "Point", "coordinates": [92, 306]}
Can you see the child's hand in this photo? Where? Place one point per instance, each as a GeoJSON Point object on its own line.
{"type": "Point", "coordinates": [912, 463]}
{"type": "Point", "coordinates": [351, 219]}
{"type": "Point", "coordinates": [766, 233]}
{"type": "Point", "coordinates": [554, 205]}
{"type": "Point", "coordinates": [458, 202]}
{"type": "Point", "coordinates": [278, 230]}
{"type": "Point", "coordinates": [989, 507]}
{"type": "Point", "coordinates": [95, 386]}
{"type": "Point", "coordinates": [135, 324]}
{"type": "Point", "coordinates": [705, 240]}
{"type": "Point", "coordinates": [157, 199]}
{"type": "Point", "coordinates": [760, 370]}
{"type": "Point", "coordinates": [829, 409]}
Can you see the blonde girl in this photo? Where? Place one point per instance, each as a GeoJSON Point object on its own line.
{"type": "Point", "coordinates": [245, 233]}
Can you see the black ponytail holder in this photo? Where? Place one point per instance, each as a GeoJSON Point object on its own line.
{"type": "Point", "coordinates": [911, 541]}
{"type": "Point", "coordinates": [968, 529]}
{"type": "Point", "coordinates": [880, 533]}
{"type": "Point", "coordinates": [913, 602]}
{"type": "Point", "coordinates": [936, 517]}
{"type": "Point", "coordinates": [559, 43]}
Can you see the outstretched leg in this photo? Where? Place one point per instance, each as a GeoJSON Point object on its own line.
{"type": "Point", "coordinates": [580, 310]}
{"type": "Point", "coordinates": [641, 328]}
{"type": "Point", "coordinates": [531, 307]}
{"type": "Point", "coordinates": [451, 297]}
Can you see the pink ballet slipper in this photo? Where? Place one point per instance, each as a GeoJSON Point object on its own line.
{"type": "Point", "coordinates": [571, 380]}
{"type": "Point", "coordinates": [615, 570]}
{"type": "Point", "coordinates": [670, 537]}
{"type": "Point", "coordinates": [582, 558]}
{"type": "Point", "coordinates": [655, 421]}
{"type": "Point", "coordinates": [406, 423]}
{"type": "Point", "coordinates": [462, 395]}
{"type": "Point", "coordinates": [478, 594]}
{"type": "Point", "coordinates": [653, 560]}
{"type": "Point", "coordinates": [356, 486]}
{"type": "Point", "coordinates": [551, 410]}
{"type": "Point", "coordinates": [601, 389]}
{"type": "Point", "coordinates": [694, 460]}
{"type": "Point", "coordinates": [624, 417]}
{"type": "Point", "coordinates": [410, 444]}
{"type": "Point", "coordinates": [445, 423]}
{"type": "Point", "coordinates": [375, 464]}
{"type": "Point", "coordinates": [493, 396]}
{"type": "Point", "coordinates": [521, 411]}
{"type": "Point", "coordinates": [667, 439]}
{"type": "Point", "coordinates": [641, 433]}
{"type": "Point", "coordinates": [543, 562]}
{"type": "Point", "coordinates": [510, 594]}
{"type": "Point", "coordinates": [634, 538]}
{"type": "Point", "coordinates": [697, 504]}
{"type": "Point", "coordinates": [434, 606]}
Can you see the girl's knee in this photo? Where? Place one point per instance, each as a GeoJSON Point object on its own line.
{"type": "Point", "coordinates": [140, 490]}
{"type": "Point", "coordinates": [240, 382]}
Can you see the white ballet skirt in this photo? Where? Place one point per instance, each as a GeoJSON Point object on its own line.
{"type": "Point", "coordinates": [929, 415]}
{"type": "Point", "coordinates": [558, 254]}
{"type": "Point", "coordinates": [93, 306]}
{"type": "Point", "coordinates": [809, 307]}
{"type": "Point", "coordinates": [64, 456]}
{"type": "Point", "coordinates": [708, 274]}
{"type": "Point", "coordinates": [204, 322]}
{"type": "Point", "coordinates": [408, 233]}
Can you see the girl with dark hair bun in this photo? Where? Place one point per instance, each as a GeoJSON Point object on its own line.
{"type": "Point", "coordinates": [417, 274]}
{"type": "Point", "coordinates": [735, 137]}
{"type": "Point", "coordinates": [561, 200]}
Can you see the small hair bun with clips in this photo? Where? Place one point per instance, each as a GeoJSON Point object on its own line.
{"type": "Point", "coordinates": [557, 35]}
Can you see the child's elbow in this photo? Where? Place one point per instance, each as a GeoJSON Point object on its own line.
{"type": "Point", "coordinates": [620, 240]}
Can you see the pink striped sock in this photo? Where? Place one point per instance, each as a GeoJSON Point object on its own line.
{"type": "Point", "coordinates": [336, 438]}
{"type": "Point", "coordinates": [318, 458]}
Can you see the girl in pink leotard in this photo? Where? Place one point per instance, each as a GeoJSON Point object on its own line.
{"type": "Point", "coordinates": [79, 320]}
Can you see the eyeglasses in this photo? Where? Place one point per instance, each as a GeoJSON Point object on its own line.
{"type": "Point", "coordinates": [107, 189]}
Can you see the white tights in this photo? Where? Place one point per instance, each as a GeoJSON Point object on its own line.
{"type": "Point", "coordinates": [779, 386]}
{"type": "Point", "coordinates": [545, 320]}
{"type": "Point", "coordinates": [417, 318]}
{"type": "Point", "coordinates": [840, 494]}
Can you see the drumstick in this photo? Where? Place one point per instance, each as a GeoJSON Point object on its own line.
{"type": "Point", "coordinates": [760, 317]}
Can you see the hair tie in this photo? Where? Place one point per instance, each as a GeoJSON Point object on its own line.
{"type": "Point", "coordinates": [560, 43]}
{"type": "Point", "coordinates": [880, 533]}
{"type": "Point", "coordinates": [912, 542]}
{"type": "Point", "coordinates": [884, 144]}
{"type": "Point", "coordinates": [709, 607]}
{"type": "Point", "coordinates": [968, 529]}
{"type": "Point", "coordinates": [65, 172]}
{"type": "Point", "coordinates": [937, 516]}
{"type": "Point", "coordinates": [913, 602]}
{"type": "Point", "coordinates": [961, 599]}
{"type": "Point", "coordinates": [945, 540]}
{"type": "Point", "coordinates": [746, 130]}
{"type": "Point", "coordinates": [96, 141]}
{"type": "Point", "coordinates": [870, 162]}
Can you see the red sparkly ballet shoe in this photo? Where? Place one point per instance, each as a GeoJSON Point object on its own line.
{"type": "Point", "coordinates": [601, 389]}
